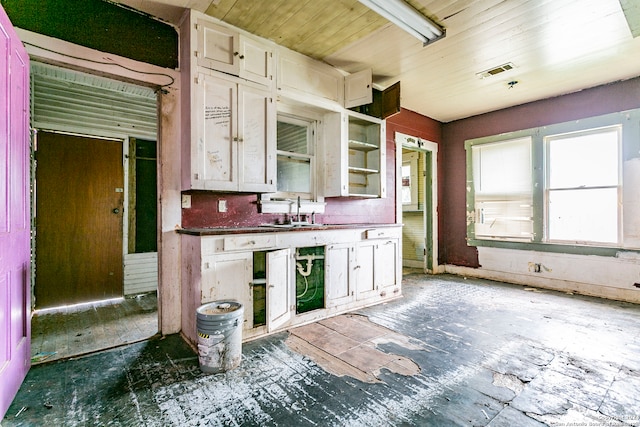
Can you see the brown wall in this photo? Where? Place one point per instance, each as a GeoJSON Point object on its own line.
{"type": "Point", "coordinates": [600, 100]}
{"type": "Point", "coordinates": [242, 209]}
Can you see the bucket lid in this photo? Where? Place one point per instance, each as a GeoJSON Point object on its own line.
{"type": "Point", "coordinates": [218, 309]}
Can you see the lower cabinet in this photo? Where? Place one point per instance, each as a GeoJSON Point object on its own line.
{"type": "Point", "coordinates": [290, 279]}
{"type": "Point", "coordinates": [229, 277]}
{"type": "Point", "coordinates": [362, 271]}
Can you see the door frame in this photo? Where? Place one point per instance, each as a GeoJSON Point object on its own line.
{"type": "Point", "coordinates": [430, 212]}
{"type": "Point", "coordinates": [167, 81]}
{"type": "Point", "coordinates": [123, 140]}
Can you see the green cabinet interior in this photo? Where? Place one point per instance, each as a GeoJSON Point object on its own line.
{"type": "Point", "coordinates": [310, 286]}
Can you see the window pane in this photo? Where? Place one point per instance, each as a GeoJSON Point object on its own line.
{"type": "Point", "coordinates": [502, 179]}
{"type": "Point", "coordinates": [502, 168]}
{"type": "Point", "coordinates": [292, 138]}
{"type": "Point", "coordinates": [294, 174]}
{"type": "Point", "coordinates": [589, 215]}
{"type": "Point", "coordinates": [585, 160]}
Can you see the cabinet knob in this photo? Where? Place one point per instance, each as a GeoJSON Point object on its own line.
{"type": "Point", "coordinates": [241, 56]}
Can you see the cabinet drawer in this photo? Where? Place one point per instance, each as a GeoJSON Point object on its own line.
{"type": "Point", "coordinates": [249, 242]}
{"type": "Point", "coordinates": [380, 233]}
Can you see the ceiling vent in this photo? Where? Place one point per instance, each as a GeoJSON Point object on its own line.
{"type": "Point", "coordinates": [496, 70]}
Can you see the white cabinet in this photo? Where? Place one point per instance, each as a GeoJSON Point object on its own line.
{"type": "Point", "coordinates": [358, 89]}
{"type": "Point", "coordinates": [355, 157]}
{"type": "Point", "coordinates": [299, 75]}
{"type": "Point", "coordinates": [387, 269]}
{"type": "Point", "coordinates": [314, 82]}
{"type": "Point", "coordinates": [339, 277]}
{"type": "Point", "coordinates": [361, 267]}
{"type": "Point", "coordinates": [229, 277]}
{"type": "Point", "coordinates": [223, 49]}
{"type": "Point", "coordinates": [233, 136]}
{"type": "Point", "coordinates": [279, 289]}
{"type": "Point", "coordinates": [364, 270]}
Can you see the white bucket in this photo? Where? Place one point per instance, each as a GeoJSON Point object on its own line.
{"type": "Point", "coordinates": [219, 327]}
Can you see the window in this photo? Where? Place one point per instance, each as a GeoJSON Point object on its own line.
{"type": "Point", "coordinates": [295, 157]}
{"type": "Point", "coordinates": [568, 187]}
{"type": "Point", "coordinates": [502, 178]}
{"type": "Point", "coordinates": [583, 186]}
{"type": "Point", "coordinates": [410, 182]}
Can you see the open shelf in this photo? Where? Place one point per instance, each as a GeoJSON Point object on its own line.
{"type": "Point", "coordinates": [362, 146]}
{"type": "Point", "coordinates": [364, 171]}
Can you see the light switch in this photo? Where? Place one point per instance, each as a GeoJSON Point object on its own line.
{"type": "Point", "coordinates": [186, 201]}
{"type": "Point", "coordinates": [222, 205]}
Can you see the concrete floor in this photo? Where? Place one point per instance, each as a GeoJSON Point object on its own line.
{"type": "Point", "coordinates": [484, 353]}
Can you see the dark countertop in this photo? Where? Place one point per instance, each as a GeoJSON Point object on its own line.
{"type": "Point", "coordinates": [272, 228]}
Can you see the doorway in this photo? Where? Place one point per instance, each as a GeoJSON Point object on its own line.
{"type": "Point", "coordinates": [417, 196]}
{"type": "Point", "coordinates": [96, 266]}
{"type": "Point", "coordinates": [79, 219]}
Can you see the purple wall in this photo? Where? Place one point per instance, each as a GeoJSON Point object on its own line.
{"type": "Point", "coordinates": [597, 101]}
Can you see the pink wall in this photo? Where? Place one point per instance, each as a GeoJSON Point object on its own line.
{"type": "Point", "coordinates": [586, 103]}
{"type": "Point", "coordinates": [242, 209]}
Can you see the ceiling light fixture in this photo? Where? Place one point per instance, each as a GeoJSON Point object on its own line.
{"type": "Point", "coordinates": [407, 18]}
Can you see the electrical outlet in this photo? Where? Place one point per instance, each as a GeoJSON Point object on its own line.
{"type": "Point", "coordinates": [222, 205]}
{"type": "Point", "coordinates": [186, 201]}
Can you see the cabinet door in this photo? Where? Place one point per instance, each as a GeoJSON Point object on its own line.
{"type": "Point", "coordinates": [299, 74]}
{"type": "Point", "coordinates": [217, 47]}
{"type": "Point", "coordinates": [279, 285]}
{"type": "Point", "coordinates": [358, 89]}
{"type": "Point", "coordinates": [229, 276]}
{"type": "Point", "coordinates": [256, 140]}
{"type": "Point", "coordinates": [386, 267]}
{"type": "Point", "coordinates": [339, 277]}
{"type": "Point", "coordinates": [366, 286]}
{"type": "Point", "coordinates": [215, 153]}
{"type": "Point", "coordinates": [256, 61]}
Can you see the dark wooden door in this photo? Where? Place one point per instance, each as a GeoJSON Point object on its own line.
{"type": "Point", "coordinates": [79, 214]}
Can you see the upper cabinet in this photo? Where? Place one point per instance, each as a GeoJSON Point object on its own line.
{"type": "Point", "coordinates": [230, 83]}
{"type": "Point", "coordinates": [304, 79]}
{"type": "Point", "coordinates": [234, 126]}
{"type": "Point", "coordinates": [357, 88]}
{"type": "Point", "coordinates": [355, 155]}
{"type": "Point", "coordinates": [223, 49]}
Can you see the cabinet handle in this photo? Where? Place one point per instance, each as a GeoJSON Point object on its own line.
{"type": "Point", "coordinates": [235, 139]}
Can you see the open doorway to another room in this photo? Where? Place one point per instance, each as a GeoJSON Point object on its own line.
{"type": "Point", "coordinates": [418, 199]}
{"type": "Point", "coordinates": [95, 213]}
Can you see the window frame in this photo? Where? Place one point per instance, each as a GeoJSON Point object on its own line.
{"type": "Point", "coordinates": [312, 142]}
{"type": "Point", "coordinates": [547, 140]}
{"type": "Point", "coordinates": [629, 123]}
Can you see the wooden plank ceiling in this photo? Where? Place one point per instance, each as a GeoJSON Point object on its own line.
{"type": "Point", "coordinates": [555, 46]}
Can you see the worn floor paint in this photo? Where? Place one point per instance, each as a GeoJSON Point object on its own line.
{"type": "Point", "coordinates": [489, 355]}
{"type": "Point", "coordinates": [76, 330]}
{"type": "Point", "coordinates": [347, 345]}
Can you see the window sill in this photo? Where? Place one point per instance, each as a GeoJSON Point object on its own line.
{"type": "Point", "coordinates": [552, 247]}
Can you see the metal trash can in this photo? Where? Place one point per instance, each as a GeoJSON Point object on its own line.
{"type": "Point", "coordinates": [219, 327]}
